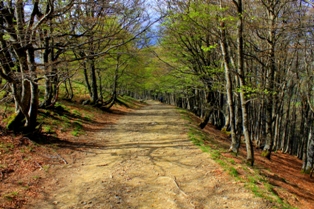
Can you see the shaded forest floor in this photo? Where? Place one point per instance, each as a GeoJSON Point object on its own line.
{"type": "Point", "coordinates": [25, 164]}
{"type": "Point", "coordinates": [27, 169]}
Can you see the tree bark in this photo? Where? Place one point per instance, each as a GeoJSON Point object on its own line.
{"type": "Point", "coordinates": [94, 88]}
{"type": "Point", "coordinates": [270, 83]}
{"type": "Point", "coordinates": [235, 142]}
{"type": "Point", "coordinates": [244, 103]}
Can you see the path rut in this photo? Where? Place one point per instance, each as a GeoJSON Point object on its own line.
{"type": "Point", "coordinates": [146, 161]}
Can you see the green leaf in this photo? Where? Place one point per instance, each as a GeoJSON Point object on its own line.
{"type": "Point", "coordinates": [6, 37]}
{"type": "Point", "coordinates": [209, 48]}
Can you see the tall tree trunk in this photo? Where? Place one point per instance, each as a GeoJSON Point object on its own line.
{"type": "Point", "coordinates": [244, 103]}
{"type": "Point", "coordinates": [26, 94]}
{"type": "Point", "coordinates": [48, 83]}
{"type": "Point", "coordinates": [270, 84]}
{"type": "Point", "coordinates": [114, 94]}
{"type": "Point", "coordinates": [51, 72]}
{"type": "Point", "coordinates": [235, 142]}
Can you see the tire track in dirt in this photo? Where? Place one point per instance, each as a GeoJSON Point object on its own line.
{"type": "Point", "coordinates": [146, 161]}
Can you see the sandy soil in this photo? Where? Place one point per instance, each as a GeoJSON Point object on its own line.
{"type": "Point", "coordinates": [145, 160]}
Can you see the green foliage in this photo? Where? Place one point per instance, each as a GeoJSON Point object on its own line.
{"type": "Point", "coordinates": [249, 91]}
{"type": "Point", "coordinates": [6, 37]}
{"type": "Point", "coordinates": [209, 48]}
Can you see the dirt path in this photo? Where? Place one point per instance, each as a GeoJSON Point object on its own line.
{"type": "Point", "coordinates": [146, 161]}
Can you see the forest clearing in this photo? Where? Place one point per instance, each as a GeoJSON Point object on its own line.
{"type": "Point", "coordinates": [150, 157]}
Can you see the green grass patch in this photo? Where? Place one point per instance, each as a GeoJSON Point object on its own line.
{"type": "Point", "coordinates": [75, 133]}
{"type": "Point", "coordinates": [76, 113]}
{"type": "Point", "coordinates": [184, 114]}
{"type": "Point", "coordinates": [251, 177]}
{"type": "Point", "coordinates": [233, 172]}
{"type": "Point", "coordinates": [77, 128]}
{"type": "Point", "coordinates": [232, 161]}
{"type": "Point", "coordinates": [47, 129]}
{"type": "Point", "coordinates": [61, 107]}
{"type": "Point", "coordinates": [88, 117]}
{"type": "Point", "coordinates": [215, 154]}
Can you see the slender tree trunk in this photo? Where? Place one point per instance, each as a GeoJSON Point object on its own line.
{"type": "Point", "coordinates": [48, 84]}
{"type": "Point", "coordinates": [208, 110]}
{"type": "Point", "coordinates": [94, 89]}
{"type": "Point", "coordinates": [235, 143]}
{"type": "Point", "coordinates": [270, 85]}
{"type": "Point", "coordinates": [100, 87]}
{"type": "Point", "coordinates": [249, 147]}
{"type": "Point", "coordinates": [51, 84]}
{"type": "Point", "coordinates": [89, 88]}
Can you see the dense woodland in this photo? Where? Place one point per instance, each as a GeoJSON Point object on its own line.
{"type": "Point", "coordinates": [244, 66]}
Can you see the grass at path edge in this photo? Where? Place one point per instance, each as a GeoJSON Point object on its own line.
{"type": "Point", "coordinates": [241, 172]}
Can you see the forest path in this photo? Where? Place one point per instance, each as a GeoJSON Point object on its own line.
{"type": "Point", "coordinates": [145, 160]}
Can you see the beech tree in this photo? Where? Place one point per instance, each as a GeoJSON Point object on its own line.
{"type": "Point", "coordinates": [265, 51]}
{"type": "Point", "coordinates": [190, 39]}
{"type": "Point", "coordinates": [20, 22]}
{"type": "Point", "coordinates": [38, 39]}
